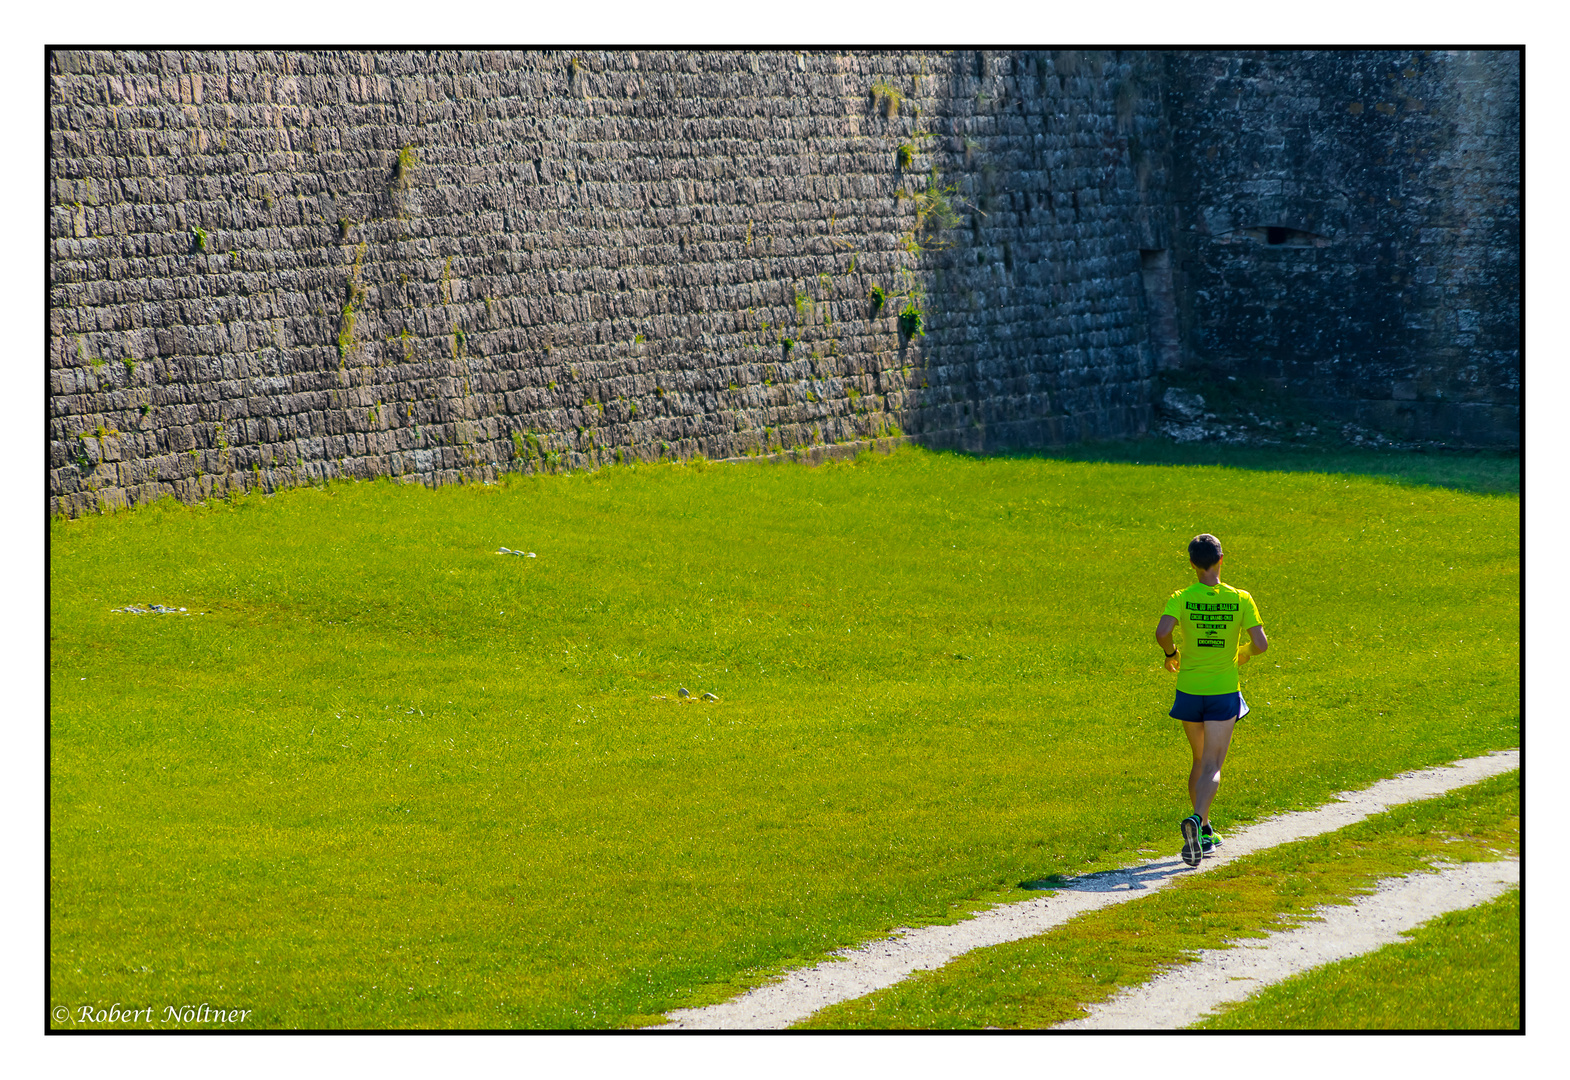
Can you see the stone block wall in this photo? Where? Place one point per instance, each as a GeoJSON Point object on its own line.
{"type": "Point", "coordinates": [268, 268]}
{"type": "Point", "coordinates": [1348, 226]}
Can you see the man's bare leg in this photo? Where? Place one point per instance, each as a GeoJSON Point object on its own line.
{"type": "Point", "coordinates": [1209, 740]}
{"type": "Point", "coordinates": [1196, 743]}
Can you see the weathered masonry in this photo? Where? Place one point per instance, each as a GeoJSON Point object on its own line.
{"type": "Point", "coordinates": [1349, 226]}
{"type": "Point", "coordinates": [270, 268]}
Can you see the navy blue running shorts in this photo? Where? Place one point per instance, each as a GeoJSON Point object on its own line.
{"type": "Point", "coordinates": [1195, 708]}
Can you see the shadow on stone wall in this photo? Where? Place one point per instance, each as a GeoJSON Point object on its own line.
{"type": "Point", "coordinates": [269, 268]}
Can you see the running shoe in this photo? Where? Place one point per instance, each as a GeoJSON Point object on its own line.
{"type": "Point", "coordinates": [1192, 849]}
{"type": "Point", "coordinates": [1208, 841]}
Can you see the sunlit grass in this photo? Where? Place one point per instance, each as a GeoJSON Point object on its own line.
{"type": "Point", "coordinates": [391, 778]}
{"type": "Point", "coordinates": [1051, 978]}
{"type": "Point", "coordinates": [1462, 971]}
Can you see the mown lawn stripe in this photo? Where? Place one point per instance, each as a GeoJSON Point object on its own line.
{"type": "Point", "coordinates": [1461, 971]}
{"type": "Point", "coordinates": [1219, 977]}
{"type": "Point", "coordinates": [1054, 977]}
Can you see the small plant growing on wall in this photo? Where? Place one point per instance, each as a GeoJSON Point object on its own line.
{"type": "Point", "coordinates": [886, 99]}
{"type": "Point", "coordinates": [345, 330]}
{"type": "Point", "coordinates": [910, 321]}
{"type": "Point", "coordinates": [877, 298]}
{"type": "Point", "coordinates": [198, 238]}
{"type": "Point", "coordinates": [904, 156]}
{"type": "Point", "coordinates": [803, 304]}
{"type": "Point", "coordinates": [403, 169]}
{"type": "Point", "coordinates": [935, 209]}
{"type": "Point", "coordinates": [787, 344]}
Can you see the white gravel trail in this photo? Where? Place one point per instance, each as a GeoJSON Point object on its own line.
{"type": "Point", "coordinates": [1181, 996]}
{"type": "Point", "coordinates": [879, 964]}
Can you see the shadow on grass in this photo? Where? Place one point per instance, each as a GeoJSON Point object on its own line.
{"type": "Point", "coordinates": [1489, 472]}
{"type": "Point", "coordinates": [1132, 878]}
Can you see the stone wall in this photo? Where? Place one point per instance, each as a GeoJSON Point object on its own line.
{"type": "Point", "coordinates": [269, 268]}
{"type": "Point", "coordinates": [1348, 227]}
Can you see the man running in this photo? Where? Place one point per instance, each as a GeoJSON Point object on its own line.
{"type": "Point", "coordinates": [1213, 616]}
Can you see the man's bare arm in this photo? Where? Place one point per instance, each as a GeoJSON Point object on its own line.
{"type": "Point", "coordinates": [1255, 645]}
{"type": "Point", "coordinates": [1164, 630]}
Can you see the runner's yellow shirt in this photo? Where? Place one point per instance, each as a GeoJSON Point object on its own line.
{"type": "Point", "coordinates": [1213, 620]}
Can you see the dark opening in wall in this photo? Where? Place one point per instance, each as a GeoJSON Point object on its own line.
{"type": "Point", "coordinates": [1284, 236]}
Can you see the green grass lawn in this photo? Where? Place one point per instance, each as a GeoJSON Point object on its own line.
{"type": "Point", "coordinates": [1483, 471]}
{"type": "Point", "coordinates": [1048, 979]}
{"type": "Point", "coordinates": [388, 778]}
{"type": "Point", "coordinates": [1460, 972]}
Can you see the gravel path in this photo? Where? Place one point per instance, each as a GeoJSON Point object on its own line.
{"type": "Point", "coordinates": [1180, 997]}
{"type": "Point", "coordinates": [879, 964]}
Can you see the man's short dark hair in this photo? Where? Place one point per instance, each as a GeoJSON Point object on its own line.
{"type": "Point", "coordinates": [1204, 551]}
